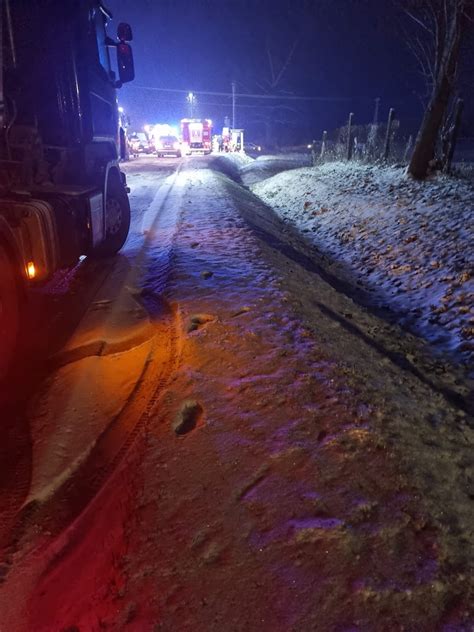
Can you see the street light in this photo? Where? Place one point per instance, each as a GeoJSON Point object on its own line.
{"type": "Point", "coordinates": [191, 99]}
{"type": "Point", "coordinates": [123, 118]}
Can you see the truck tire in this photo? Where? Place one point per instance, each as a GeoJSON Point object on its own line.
{"type": "Point", "coordinates": [10, 312]}
{"type": "Point", "coordinates": [118, 212]}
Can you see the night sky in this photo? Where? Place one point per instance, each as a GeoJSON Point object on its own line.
{"type": "Point", "coordinates": [348, 52]}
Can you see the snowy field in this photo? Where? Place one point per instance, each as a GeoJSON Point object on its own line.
{"type": "Point", "coordinates": [409, 243]}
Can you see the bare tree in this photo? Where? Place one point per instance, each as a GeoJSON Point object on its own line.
{"type": "Point", "coordinates": [438, 29]}
{"type": "Point", "coordinates": [278, 61]}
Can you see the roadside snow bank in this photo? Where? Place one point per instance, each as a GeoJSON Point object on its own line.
{"type": "Point", "coordinates": [238, 159]}
{"type": "Point", "coordinates": [408, 242]}
{"type": "Point", "coordinates": [266, 166]}
{"type": "Point", "coordinates": [229, 164]}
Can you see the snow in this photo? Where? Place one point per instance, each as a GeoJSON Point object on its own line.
{"type": "Point", "coordinates": [286, 495]}
{"type": "Point", "coordinates": [75, 408]}
{"type": "Point", "coordinates": [266, 166]}
{"type": "Point", "coordinates": [409, 243]}
{"type": "Point", "coordinates": [238, 159]}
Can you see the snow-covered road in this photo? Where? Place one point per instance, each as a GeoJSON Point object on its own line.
{"type": "Point", "coordinates": [293, 475]}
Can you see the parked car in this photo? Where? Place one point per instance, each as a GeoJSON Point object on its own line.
{"type": "Point", "coordinates": [168, 146]}
{"type": "Point", "coordinates": [139, 144]}
{"type": "Point", "coordinates": [252, 148]}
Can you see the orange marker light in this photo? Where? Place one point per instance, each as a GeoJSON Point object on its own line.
{"type": "Point", "coordinates": [30, 270]}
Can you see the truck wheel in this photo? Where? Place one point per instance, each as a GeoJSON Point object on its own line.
{"type": "Point", "coordinates": [10, 312]}
{"type": "Point", "coordinates": [118, 221]}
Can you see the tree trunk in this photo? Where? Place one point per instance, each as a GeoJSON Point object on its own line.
{"type": "Point", "coordinates": [272, 133]}
{"type": "Point", "coordinates": [425, 146]}
{"type": "Point", "coordinates": [453, 136]}
{"type": "Point", "coordinates": [269, 133]}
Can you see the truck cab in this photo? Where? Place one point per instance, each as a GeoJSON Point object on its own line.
{"type": "Point", "coordinates": [62, 194]}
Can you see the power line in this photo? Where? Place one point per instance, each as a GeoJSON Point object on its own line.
{"type": "Point", "coordinates": [223, 105]}
{"type": "Point", "coordinates": [242, 95]}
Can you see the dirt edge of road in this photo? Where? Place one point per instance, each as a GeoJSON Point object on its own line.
{"type": "Point", "coordinates": [415, 354]}
{"type": "Point", "coordinates": [391, 368]}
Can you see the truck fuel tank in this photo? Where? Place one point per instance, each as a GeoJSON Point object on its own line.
{"type": "Point", "coordinates": [33, 226]}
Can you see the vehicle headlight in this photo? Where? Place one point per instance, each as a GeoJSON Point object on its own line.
{"type": "Point", "coordinates": [176, 145]}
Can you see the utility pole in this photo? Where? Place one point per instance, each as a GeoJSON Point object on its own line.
{"type": "Point", "coordinates": [323, 145]}
{"type": "Point", "coordinates": [349, 137]}
{"type": "Point", "coordinates": [234, 85]}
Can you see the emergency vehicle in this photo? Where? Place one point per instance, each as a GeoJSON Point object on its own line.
{"type": "Point", "coordinates": [196, 136]}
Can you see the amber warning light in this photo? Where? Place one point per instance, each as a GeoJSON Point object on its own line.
{"type": "Point", "coordinates": [30, 270]}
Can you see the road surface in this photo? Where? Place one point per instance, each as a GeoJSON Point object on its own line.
{"type": "Point", "coordinates": [261, 459]}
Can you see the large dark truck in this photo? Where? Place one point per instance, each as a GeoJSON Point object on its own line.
{"type": "Point", "coordinates": [62, 194]}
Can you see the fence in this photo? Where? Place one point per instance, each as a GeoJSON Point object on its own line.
{"type": "Point", "coordinates": [375, 142]}
{"type": "Point", "coordinates": [391, 143]}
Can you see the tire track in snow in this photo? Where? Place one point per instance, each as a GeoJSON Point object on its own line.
{"type": "Point", "coordinates": [59, 511]}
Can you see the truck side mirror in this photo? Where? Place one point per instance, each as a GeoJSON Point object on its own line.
{"type": "Point", "coordinates": [124, 32]}
{"type": "Point", "coordinates": [126, 66]}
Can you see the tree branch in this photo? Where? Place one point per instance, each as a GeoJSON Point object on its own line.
{"type": "Point", "coordinates": [418, 21]}
{"type": "Point", "coordinates": [270, 62]}
{"type": "Point", "coordinates": [286, 63]}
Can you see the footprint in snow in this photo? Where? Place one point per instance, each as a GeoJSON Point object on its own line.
{"type": "Point", "coordinates": [198, 320]}
{"type": "Point", "coordinates": [188, 416]}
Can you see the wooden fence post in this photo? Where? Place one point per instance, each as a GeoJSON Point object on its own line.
{"type": "Point", "coordinates": [349, 137]}
{"type": "Point", "coordinates": [372, 140]}
{"type": "Point", "coordinates": [408, 147]}
{"type": "Point", "coordinates": [386, 149]}
{"type": "Point", "coordinates": [453, 136]}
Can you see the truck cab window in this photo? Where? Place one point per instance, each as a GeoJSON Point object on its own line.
{"type": "Point", "coordinates": [100, 34]}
